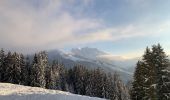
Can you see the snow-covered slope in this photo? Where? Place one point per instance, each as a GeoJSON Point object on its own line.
{"type": "Point", "coordinates": [108, 62]}
{"type": "Point", "coordinates": [86, 52]}
{"type": "Point", "coordinates": [93, 54]}
{"type": "Point", "coordinates": [18, 92]}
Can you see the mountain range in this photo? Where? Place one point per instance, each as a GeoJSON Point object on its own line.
{"type": "Point", "coordinates": [94, 58]}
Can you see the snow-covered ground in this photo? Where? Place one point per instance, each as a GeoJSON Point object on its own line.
{"type": "Point", "coordinates": [18, 92]}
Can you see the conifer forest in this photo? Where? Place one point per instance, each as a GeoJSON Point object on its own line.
{"type": "Point", "coordinates": [151, 79]}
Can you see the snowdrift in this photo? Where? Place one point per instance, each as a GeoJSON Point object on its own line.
{"type": "Point", "coordinates": [18, 92]}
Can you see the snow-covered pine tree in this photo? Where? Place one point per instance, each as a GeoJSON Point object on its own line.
{"type": "Point", "coordinates": [24, 70]}
{"type": "Point", "coordinates": [42, 64]}
{"type": "Point", "coordinates": [69, 79]}
{"type": "Point", "coordinates": [8, 68]}
{"type": "Point", "coordinates": [47, 77]}
{"type": "Point", "coordinates": [110, 92]}
{"type": "Point", "coordinates": [16, 72]}
{"type": "Point", "coordinates": [28, 68]}
{"type": "Point", "coordinates": [81, 79]}
{"type": "Point", "coordinates": [85, 80]}
{"type": "Point", "coordinates": [161, 63]}
{"type": "Point", "coordinates": [89, 85]}
{"type": "Point", "coordinates": [2, 67]}
{"type": "Point", "coordinates": [97, 88]}
{"type": "Point", "coordinates": [55, 76]}
{"type": "Point", "coordinates": [144, 78]}
{"type": "Point", "coordinates": [62, 77]}
{"type": "Point", "coordinates": [34, 72]}
{"type": "Point", "coordinates": [149, 74]}
{"type": "Point", "coordinates": [120, 89]}
{"type": "Point", "coordinates": [39, 65]}
{"type": "Point", "coordinates": [138, 87]}
{"type": "Point", "coordinates": [155, 76]}
{"type": "Point", "coordinates": [55, 69]}
{"type": "Point", "coordinates": [50, 78]}
{"type": "Point", "coordinates": [74, 78]}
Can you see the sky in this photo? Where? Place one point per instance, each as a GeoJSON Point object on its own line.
{"type": "Point", "coordinates": [119, 27]}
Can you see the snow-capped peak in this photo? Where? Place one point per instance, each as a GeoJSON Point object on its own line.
{"type": "Point", "coordinates": [86, 52]}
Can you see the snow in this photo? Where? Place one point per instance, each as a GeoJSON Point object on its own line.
{"type": "Point", "coordinates": [86, 52]}
{"type": "Point", "coordinates": [70, 56]}
{"type": "Point", "coordinates": [166, 71]}
{"type": "Point", "coordinates": [146, 79]}
{"type": "Point", "coordinates": [18, 92]}
{"type": "Point", "coordinates": [153, 85]}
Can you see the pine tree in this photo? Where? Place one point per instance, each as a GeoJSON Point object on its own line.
{"type": "Point", "coordinates": [8, 68]}
{"type": "Point", "coordinates": [69, 79]}
{"type": "Point", "coordinates": [97, 86]}
{"type": "Point", "coordinates": [42, 64]}
{"type": "Point", "coordinates": [152, 77]}
{"type": "Point", "coordinates": [50, 78]}
{"type": "Point", "coordinates": [55, 69]}
{"type": "Point", "coordinates": [89, 81]}
{"type": "Point", "coordinates": [16, 71]}
{"type": "Point", "coordinates": [144, 78]}
{"type": "Point", "coordinates": [62, 77]}
{"type": "Point", "coordinates": [138, 86]}
{"type": "Point", "coordinates": [38, 70]}
{"type": "Point", "coordinates": [110, 92]}
{"type": "Point", "coordinates": [28, 68]}
{"type": "Point", "coordinates": [2, 67]}
{"type": "Point", "coordinates": [80, 79]}
{"type": "Point", "coordinates": [162, 73]}
{"type": "Point", "coordinates": [34, 69]}
{"type": "Point", "coordinates": [24, 70]}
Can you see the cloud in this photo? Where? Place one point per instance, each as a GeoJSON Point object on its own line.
{"type": "Point", "coordinates": [30, 25]}
{"type": "Point", "coordinates": [139, 3]}
{"type": "Point", "coordinates": [37, 25]}
{"type": "Point", "coordinates": [154, 29]}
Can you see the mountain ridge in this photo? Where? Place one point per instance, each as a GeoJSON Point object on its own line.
{"type": "Point", "coordinates": [92, 58]}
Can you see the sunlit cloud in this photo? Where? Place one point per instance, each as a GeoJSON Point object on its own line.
{"type": "Point", "coordinates": [30, 25]}
{"type": "Point", "coordinates": [23, 26]}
